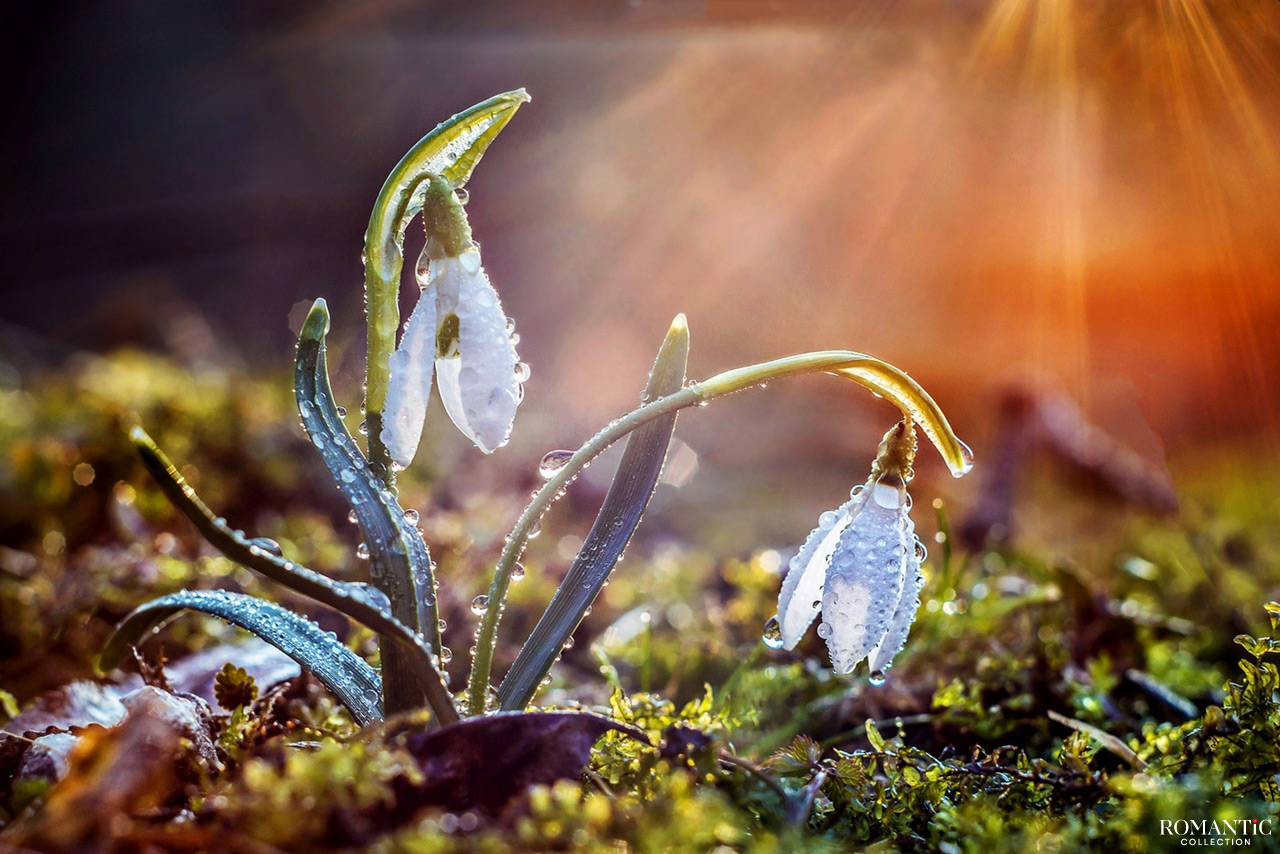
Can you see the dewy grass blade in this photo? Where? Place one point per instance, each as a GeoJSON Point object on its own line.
{"type": "Point", "coordinates": [625, 503]}
{"type": "Point", "coordinates": [452, 150]}
{"type": "Point", "coordinates": [398, 559]}
{"type": "Point", "coordinates": [360, 602]}
{"type": "Point", "coordinates": [339, 669]}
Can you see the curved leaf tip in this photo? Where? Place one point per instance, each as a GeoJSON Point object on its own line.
{"type": "Point", "coordinates": [316, 326]}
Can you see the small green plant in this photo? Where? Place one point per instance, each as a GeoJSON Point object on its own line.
{"type": "Point", "coordinates": [860, 568]}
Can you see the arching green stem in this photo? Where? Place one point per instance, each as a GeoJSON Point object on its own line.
{"type": "Point", "coordinates": [880, 377]}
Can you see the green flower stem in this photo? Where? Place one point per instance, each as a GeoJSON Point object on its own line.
{"type": "Point", "coordinates": [880, 377]}
{"type": "Point", "coordinates": [451, 152]}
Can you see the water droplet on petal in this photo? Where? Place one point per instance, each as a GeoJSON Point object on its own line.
{"type": "Point", "coordinates": [517, 572]}
{"type": "Point", "coordinates": [446, 655]}
{"type": "Point", "coordinates": [876, 677]}
{"type": "Point", "coordinates": [364, 428]}
{"type": "Point", "coordinates": [342, 412]}
{"type": "Point", "coordinates": [523, 372]}
{"type": "Point", "coordinates": [442, 625]}
{"type": "Point", "coordinates": [352, 517]}
{"type": "Point", "coordinates": [411, 516]}
{"type": "Point", "coordinates": [480, 604]}
{"type": "Point", "coordinates": [463, 195]}
{"type": "Point", "coordinates": [534, 531]}
{"type": "Point", "coordinates": [362, 551]}
{"type": "Point", "coordinates": [568, 644]}
{"type": "Point", "coordinates": [552, 462]}
{"type": "Point", "coordinates": [772, 636]}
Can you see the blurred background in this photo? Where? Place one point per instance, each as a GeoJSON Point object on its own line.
{"type": "Point", "coordinates": [1064, 198]}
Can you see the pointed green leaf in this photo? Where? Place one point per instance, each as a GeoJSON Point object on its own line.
{"type": "Point", "coordinates": [399, 562]}
{"type": "Point", "coordinates": [361, 602]}
{"type": "Point", "coordinates": [340, 670]}
{"type": "Point", "coordinates": [623, 506]}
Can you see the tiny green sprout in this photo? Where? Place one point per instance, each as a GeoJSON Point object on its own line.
{"type": "Point", "coordinates": [860, 568]}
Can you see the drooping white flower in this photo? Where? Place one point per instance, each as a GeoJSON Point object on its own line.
{"type": "Point", "coordinates": [457, 331]}
{"type": "Point", "coordinates": [859, 569]}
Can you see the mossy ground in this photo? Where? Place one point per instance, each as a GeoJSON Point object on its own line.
{"type": "Point", "coordinates": [1045, 701]}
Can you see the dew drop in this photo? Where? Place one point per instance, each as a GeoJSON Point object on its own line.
{"type": "Point", "coordinates": [446, 655]}
{"type": "Point", "coordinates": [268, 545]}
{"type": "Point", "coordinates": [921, 551]}
{"type": "Point", "coordinates": [362, 551]}
{"type": "Point", "coordinates": [480, 604]}
{"type": "Point", "coordinates": [517, 572]}
{"type": "Point", "coordinates": [342, 412]}
{"type": "Point", "coordinates": [463, 195]}
{"type": "Point", "coordinates": [568, 644]}
{"type": "Point", "coordinates": [772, 636]}
{"type": "Point", "coordinates": [876, 677]}
{"type": "Point", "coordinates": [352, 517]}
{"type": "Point", "coordinates": [364, 428]}
{"type": "Point", "coordinates": [523, 372]}
{"type": "Point", "coordinates": [552, 462]}
{"type": "Point", "coordinates": [534, 531]}
{"type": "Point", "coordinates": [824, 631]}
{"type": "Point", "coordinates": [411, 516]}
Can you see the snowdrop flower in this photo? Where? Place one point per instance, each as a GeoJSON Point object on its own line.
{"type": "Point", "coordinates": [860, 568]}
{"type": "Point", "coordinates": [458, 333]}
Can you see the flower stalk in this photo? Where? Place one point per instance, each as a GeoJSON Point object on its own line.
{"type": "Point", "coordinates": [880, 377]}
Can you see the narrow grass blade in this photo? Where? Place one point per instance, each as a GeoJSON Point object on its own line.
{"type": "Point", "coordinates": [340, 670]}
{"type": "Point", "coordinates": [625, 503]}
{"type": "Point", "coordinates": [361, 602]}
{"type": "Point", "coordinates": [399, 563]}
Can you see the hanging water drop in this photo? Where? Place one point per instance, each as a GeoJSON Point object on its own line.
{"type": "Point", "coordinates": [876, 677]}
{"type": "Point", "coordinates": [534, 531]}
{"type": "Point", "coordinates": [568, 644]}
{"type": "Point", "coordinates": [362, 551]}
{"type": "Point", "coordinates": [523, 372]}
{"type": "Point", "coordinates": [772, 636]}
{"type": "Point", "coordinates": [442, 625]}
{"type": "Point", "coordinates": [463, 195]}
{"type": "Point", "coordinates": [342, 412]}
{"type": "Point", "coordinates": [364, 428]}
{"type": "Point", "coordinates": [411, 516]}
{"type": "Point", "coordinates": [446, 655]}
{"type": "Point", "coordinates": [517, 572]}
{"type": "Point", "coordinates": [352, 517]}
{"type": "Point", "coordinates": [480, 604]}
{"type": "Point", "coordinates": [552, 462]}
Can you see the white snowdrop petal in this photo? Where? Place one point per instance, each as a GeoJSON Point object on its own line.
{"type": "Point", "coordinates": [806, 578]}
{"type": "Point", "coordinates": [903, 616]}
{"type": "Point", "coordinates": [409, 385]}
{"type": "Point", "coordinates": [479, 385]}
{"type": "Point", "coordinates": [864, 583]}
